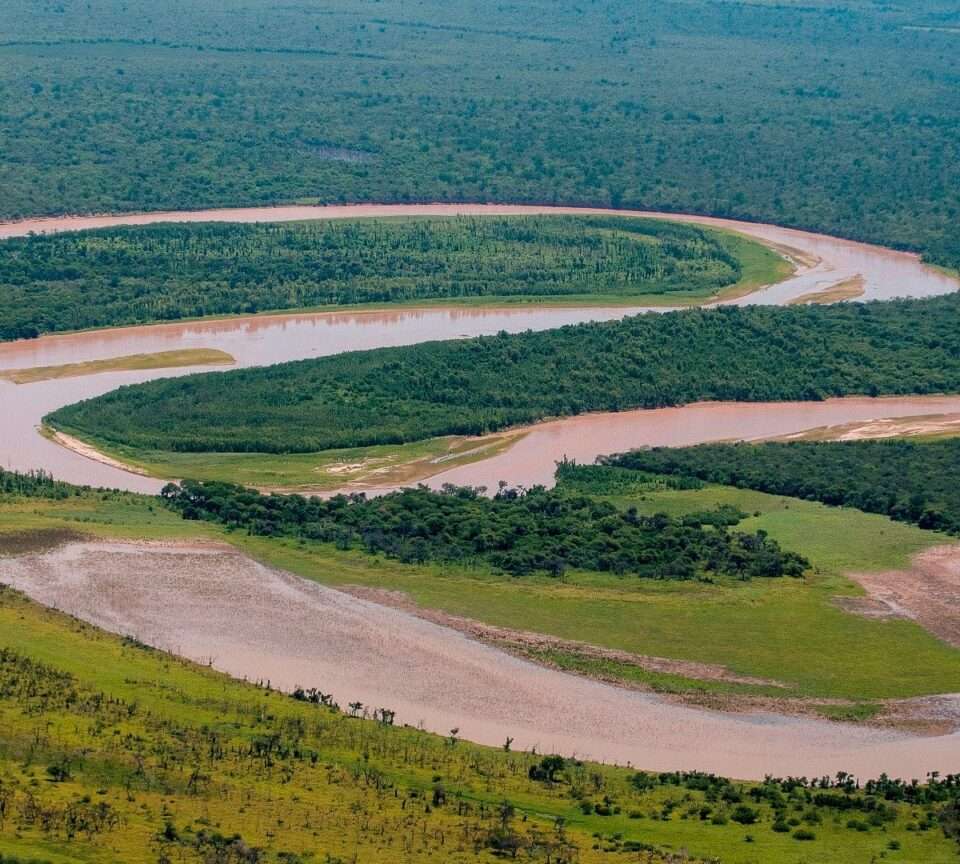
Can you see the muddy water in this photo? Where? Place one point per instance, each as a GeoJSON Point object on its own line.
{"type": "Point", "coordinates": [533, 458]}
{"type": "Point", "coordinates": [271, 339]}
{"type": "Point", "coordinates": [215, 605]}
{"type": "Point", "coordinates": [254, 341]}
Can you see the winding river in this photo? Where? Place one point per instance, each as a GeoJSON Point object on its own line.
{"type": "Point", "coordinates": [661, 734]}
{"type": "Point", "coordinates": [264, 339]}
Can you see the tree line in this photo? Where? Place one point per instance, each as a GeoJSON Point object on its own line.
{"type": "Point", "coordinates": [910, 481]}
{"type": "Point", "coordinates": [521, 532]}
{"type": "Point", "coordinates": [805, 115]}
{"type": "Point", "coordinates": [163, 272]}
{"type": "Point", "coordinates": [475, 386]}
{"type": "Point", "coordinates": [35, 484]}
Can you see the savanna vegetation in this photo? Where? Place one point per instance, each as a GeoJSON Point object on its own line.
{"type": "Point", "coordinates": [164, 272]}
{"type": "Point", "coordinates": [517, 531]}
{"type": "Point", "coordinates": [110, 750]}
{"type": "Point", "coordinates": [396, 395]}
{"type": "Point", "coordinates": [911, 481]}
{"type": "Point", "coordinates": [839, 116]}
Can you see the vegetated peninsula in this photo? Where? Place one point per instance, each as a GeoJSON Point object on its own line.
{"type": "Point", "coordinates": [911, 481]}
{"type": "Point", "coordinates": [396, 395]}
{"type": "Point", "coordinates": [166, 272]}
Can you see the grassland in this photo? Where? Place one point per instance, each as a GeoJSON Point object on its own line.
{"type": "Point", "coordinates": [128, 362]}
{"type": "Point", "coordinates": [110, 751]}
{"type": "Point", "coordinates": [784, 630]}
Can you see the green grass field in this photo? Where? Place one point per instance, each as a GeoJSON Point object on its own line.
{"type": "Point", "coordinates": [785, 630]}
{"type": "Point", "coordinates": [110, 751]}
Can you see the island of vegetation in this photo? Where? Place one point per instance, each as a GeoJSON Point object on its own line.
{"type": "Point", "coordinates": [164, 272]}
{"type": "Point", "coordinates": [471, 387]}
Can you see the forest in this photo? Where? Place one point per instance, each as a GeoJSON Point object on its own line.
{"type": "Point", "coordinates": [470, 387]}
{"type": "Point", "coordinates": [166, 272]}
{"type": "Point", "coordinates": [911, 481]}
{"type": "Point", "coordinates": [520, 532]}
{"type": "Point", "coordinates": [837, 116]}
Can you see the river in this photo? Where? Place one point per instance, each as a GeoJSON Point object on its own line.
{"type": "Point", "coordinates": [265, 339]}
{"type": "Point", "coordinates": [190, 601]}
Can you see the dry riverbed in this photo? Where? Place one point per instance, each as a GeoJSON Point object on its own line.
{"type": "Point", "coordinates": [928, 593]}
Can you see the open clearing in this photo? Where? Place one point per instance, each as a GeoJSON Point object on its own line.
{"type": "Point", "coordinates": [848, 289]}
{"type": "Point", "coordinates": [929, 426]}
{"type": "Point", "coordinates": [927, 592]}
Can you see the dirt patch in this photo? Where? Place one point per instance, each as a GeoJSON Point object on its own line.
{"type": "Point", "coordinates": [920, 426]}
{"type": "Point", "coordinates": [35, 541]}
{"type": "Point", "coordinates": [527, 642]}
{"type": "Point", "coordinates": [928, 592]}
{"type": "Point", "coordinates": [869, 607]}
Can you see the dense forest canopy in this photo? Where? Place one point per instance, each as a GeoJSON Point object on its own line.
{"type": "Point", "coordinates": [162, 272]}
{"type": "Point", "coordinates": [34, 484]}
{"type": "Point", "coordinates": [475, 386]}
{"type": "Point", "coordinates": [907, 480]}
{"type": "Point", "coordinates": [843, 116]}
{"type": "Point", "coordinates": [518, 531]}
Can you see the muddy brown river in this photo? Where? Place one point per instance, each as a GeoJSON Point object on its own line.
{"type": "Point", "coordinates": [197, 601]}
{"type": "Point", "coordinates": [262, 340]}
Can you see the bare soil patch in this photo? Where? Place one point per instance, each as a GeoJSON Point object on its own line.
{"type": "Point", "coordinates": [928, 592]}
{"type": "Point", "coordinates": [849, 289]}
{"type": "Point", "coordinates": [920, 426]}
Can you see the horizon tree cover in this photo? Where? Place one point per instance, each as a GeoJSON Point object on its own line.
{"type": "Point", "coordinates": [836, 115]}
